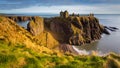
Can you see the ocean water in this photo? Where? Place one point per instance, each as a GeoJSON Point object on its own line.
{"type": "Point", "coordinates": [23, 24]}
{"type": "Point", "coordinates": [108, 43]}
{"type": "Point", "coordinates": [46, 15]}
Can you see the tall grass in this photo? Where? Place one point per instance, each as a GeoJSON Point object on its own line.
{"type": "Point", "coordinates": [18, 56]}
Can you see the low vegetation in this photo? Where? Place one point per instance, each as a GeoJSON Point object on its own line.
{"type": "Point", "coordinates": [19, 49]}
{"type": "Point", "coordinates": [18, 56]}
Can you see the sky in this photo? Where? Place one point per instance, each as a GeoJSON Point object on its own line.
{"type": "Point", "coordinates": [55, 6]}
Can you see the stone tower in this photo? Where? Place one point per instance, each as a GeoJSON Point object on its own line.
{"type": "Point", "coordinates": [61, 14]}
{"type": "Point", "coordinates": [91, 14]}
{"type": "Point", "coordinates": [64, 14]}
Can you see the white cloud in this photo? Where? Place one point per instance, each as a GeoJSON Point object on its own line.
{"type": "Point", "coordinates": [82, 9]}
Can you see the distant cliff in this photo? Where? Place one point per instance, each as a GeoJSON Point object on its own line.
{"type": "Point", "coordinates": [20, 18]}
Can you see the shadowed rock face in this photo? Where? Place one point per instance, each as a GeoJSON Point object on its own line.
{"type": "Point", "coordinates": [61, 28]}
{"type": "Point", "coordinates": [91, 28]}
{"type": "Point", "coordinates": [35, 26]}
{"type": "Point", "coordinates": [75, 30]}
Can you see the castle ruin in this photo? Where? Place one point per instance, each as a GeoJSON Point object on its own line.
{"type": "Point", "coordinates": [64, 14]}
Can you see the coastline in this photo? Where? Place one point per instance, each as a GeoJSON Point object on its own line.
{"type": "Point", "coordinates": [35, 53]}
{"type": "Point", "coordinates": [74, 39]}
{"type": "Point", "coordinates": [66, 48]}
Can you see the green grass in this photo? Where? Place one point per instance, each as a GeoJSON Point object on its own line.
{"type": "Point", "coordinates": [7, 58]}
{"type": "Point", "coordinates": [10, 57]}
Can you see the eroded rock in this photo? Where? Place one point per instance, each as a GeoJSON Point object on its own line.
{"type": "Point", "coordinates": [75, 30]}
{"type": "Point", "coordinates": [36, 26]}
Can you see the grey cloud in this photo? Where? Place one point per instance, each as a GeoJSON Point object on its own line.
{"type": "Point", "coordinates": [13, 4]}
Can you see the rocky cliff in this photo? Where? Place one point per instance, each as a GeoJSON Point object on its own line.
{"type": "Point", "coordinates": [35, 31]}
{"type": "Point", "coordinates": [36, 26]}
{"type": "Point", "coordinates": [74, 30]}
{"type": "Point", "coordinates": [14, 35]}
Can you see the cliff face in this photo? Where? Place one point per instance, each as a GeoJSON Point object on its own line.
{"type": "Point", "coordinates": [60, 29]}
{"type": "Point", "coordinates": [75, 30]}
{"type": "Point", "coordinates": [35, 32]}
{"type": "Point", "coordinates": [91, 28]}
{"type": "Point", "coordinates": [13, 36]}
{"type": "Point", "coordinates": [36, 26]}
{"type": "Point", "coordinates": [10, 31]}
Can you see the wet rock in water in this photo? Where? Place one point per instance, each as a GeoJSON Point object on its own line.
{"type": "Point", "coordinates": [111, 28]}
{"type": "Point", "coordinates": [35, 26]}
{"type": "Point", "coordinates": [114, 28]}
{"type": "Point", "coordinates": [105, 31]}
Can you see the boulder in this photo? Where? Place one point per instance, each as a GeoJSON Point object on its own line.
{"type": "Point", "coordinates": [115, 28]}
{"type": "Point", "coordinates": [111, 28]}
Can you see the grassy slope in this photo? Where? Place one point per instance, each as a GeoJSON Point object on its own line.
{"type": "Point", "coordinates": [19, 50]}
{"type": "Point", "coordinates": [18, 56]}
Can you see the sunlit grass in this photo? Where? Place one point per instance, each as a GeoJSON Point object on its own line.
{"type": "Point", "coordinates": [22, 57]}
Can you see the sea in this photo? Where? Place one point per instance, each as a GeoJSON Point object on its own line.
{"type": "Point", "coordinates": [107, 44]}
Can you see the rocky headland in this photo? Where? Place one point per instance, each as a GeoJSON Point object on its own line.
{"type": "Point", "coordinates": [47, 39]}
{"type": "Point", "coordinates": [66, 29]}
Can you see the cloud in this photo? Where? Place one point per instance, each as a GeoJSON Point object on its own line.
{"type": "Point", "coordinates": [82, 9]}
{"type": "Point", "coordinates": [13, 4]}
{"type": "Point", "coordinates": [54, 6]}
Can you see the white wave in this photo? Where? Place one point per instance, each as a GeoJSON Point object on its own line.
{"type": "Point", "coordinates": [81, 52]}
{"type": "Point", "coordinates": [84, 52]}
